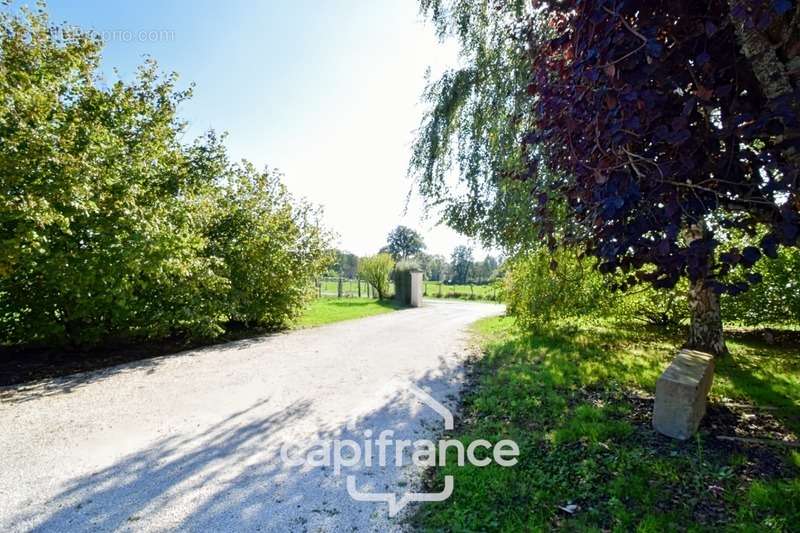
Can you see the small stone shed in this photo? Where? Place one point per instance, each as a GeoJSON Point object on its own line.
{"type": "Point", "coordinates": [408, 287]}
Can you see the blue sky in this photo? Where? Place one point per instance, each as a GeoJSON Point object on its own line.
{"type": "Point", "coordinates": [326, 91]}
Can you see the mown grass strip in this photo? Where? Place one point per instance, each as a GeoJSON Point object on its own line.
{"type": "Point", "coordinates": [330, 310]}
{"type": "Point", "coordinates": [577, 398]}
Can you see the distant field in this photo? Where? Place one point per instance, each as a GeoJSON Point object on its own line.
{"type": "Point", "coordinates": [329, 287]}
{"type": "Point", "coordinates": [328, 310]}
{"type": "Point", "coordinates": [434, 289]}
{"type": "Point", "coordinates": [350, 288]}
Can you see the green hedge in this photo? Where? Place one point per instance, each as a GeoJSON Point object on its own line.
{"type": "Point", "coordinates": [112, 227]}
{"type": "Point", "coordinates": [543, 286]}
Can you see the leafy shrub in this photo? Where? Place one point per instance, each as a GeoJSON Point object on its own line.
{"type": "Point", "coordinates": [110, 226]}
{"type": "Point", "coordinates": [375, 270]}
{"type": "Point", "coordinates": [543, 286]}
{"type": "Point", "coordinates": [538, 295]}
{"type": "Point", "coordinates": [272, 246]}
{"type": "Point", "coordinates": [775, 299]}
{"type": "Point", "coordinates": [659, 307]}
{"type": "Point", "coordinates": [406, 265]}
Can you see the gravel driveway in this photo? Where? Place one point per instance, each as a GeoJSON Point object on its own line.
{"type": "Point", "coordinates": [191, 441]}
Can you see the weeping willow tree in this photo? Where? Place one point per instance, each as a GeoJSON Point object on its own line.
{"type": "Point", "coordinates": [468, 156]}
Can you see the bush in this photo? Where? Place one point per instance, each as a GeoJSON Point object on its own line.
{"type": "Point", "coordinates": [659, 307]}
{"type": "Point", "coordinates": [776, 299]}
{"type": "Point", "coordinates": [538, 295]}
{"type": "Point", "coordinates": [407, 265]}
{"type": "Point", "coordinates": [375, 270]}
{"type": "Point", "coordinates": [111, 227]}
{"type": "Point", "coordinates": [272, 248]}
{"type": "Point", "coordinates": [543, 286]}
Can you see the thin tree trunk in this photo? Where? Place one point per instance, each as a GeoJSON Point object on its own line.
{"type": "Point", "coordinates": [705, 331]}
{"type": "Point", "coordinates": [773, 60]}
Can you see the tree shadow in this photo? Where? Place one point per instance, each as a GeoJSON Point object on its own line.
{"type": "Point", "coordinates": [349, 303]}
{"type": "Point", "coordinates": [231, 476]}
{"type": "Point", "coordinates": [23, 392]}
{"type": "Point", "coordinates": [602, 354]}
{"type": "Point", "coordinates": [768, 376]}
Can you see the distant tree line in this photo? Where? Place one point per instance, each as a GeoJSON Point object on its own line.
{"type": "Point", "coordinates": [407, 246]}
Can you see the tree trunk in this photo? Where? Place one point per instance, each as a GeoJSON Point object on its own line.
{"type": "Point", "coordinates": [705, 332]}
{"type": "Point", "coordinates": [774, 56]}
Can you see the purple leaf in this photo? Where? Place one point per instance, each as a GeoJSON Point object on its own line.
{"type": "Point", "coordinates": [781, 6]}
{"type": "Point", "coordinates": [654, 48]}
{"type": "Point", "coordinates": [769, 244]}
{"type": "Point", "coordinates": [750, 255]}
{"type": "Point", "coordinates": [754, 278]}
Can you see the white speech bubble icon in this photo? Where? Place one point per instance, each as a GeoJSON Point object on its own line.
{"type": "Point", "coordinates": [395, 504]}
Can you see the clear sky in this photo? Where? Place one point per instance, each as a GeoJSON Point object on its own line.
{"type": "Point", "coordinates": [327, 91]}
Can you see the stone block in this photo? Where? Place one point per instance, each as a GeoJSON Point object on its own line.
{"type": "Point", "coordinates": [415, 299]}
{"type": "Point", "coordinates": [408, 287]}
{"type": "Point", "coordinates": [681, 394]}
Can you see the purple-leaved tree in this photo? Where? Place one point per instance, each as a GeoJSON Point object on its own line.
{"type": "Point", "coordinates": [667, 123]}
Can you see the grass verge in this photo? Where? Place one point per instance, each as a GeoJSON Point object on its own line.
{"type": "Point", "coordinates": [577, 399]}
{"type": "Point", "coordinates": [329, 310]}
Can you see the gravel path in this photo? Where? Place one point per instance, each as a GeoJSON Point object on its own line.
{"type": "Point", "coordinates": [191, 441]}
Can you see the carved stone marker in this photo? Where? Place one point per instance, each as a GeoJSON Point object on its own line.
{"type": "Point", "coordinates": [681, 393]}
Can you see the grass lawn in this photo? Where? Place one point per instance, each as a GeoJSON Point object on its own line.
{"type": "Point", "coordinates": [328, 287]}
{"type": "Point", "coordinates": [434, 289]}
{"type": "Point", "coordinates": [578, 398]}
{"type": "Point", "coordinates": [328, 310]}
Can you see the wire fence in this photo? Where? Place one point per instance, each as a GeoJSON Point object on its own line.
{"type": "Point", "coordinates": [347, 288]}
{"type": "Point", "coordinates": [332, 287]}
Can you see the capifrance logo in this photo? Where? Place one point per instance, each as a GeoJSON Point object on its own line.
{"type": "Point", "coordinates": [378, 448]}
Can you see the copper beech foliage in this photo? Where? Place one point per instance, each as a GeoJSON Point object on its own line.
{"type": "Point", "coordinates": [660, 121]}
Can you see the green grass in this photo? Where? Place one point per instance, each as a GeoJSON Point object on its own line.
{"type": "Point", "coordinates": [350, 288]}
{"type": "Point", "coordinates": [569, 396]}
{"type": "Point", "coordinates": [434, 289]}
{"type": "Point", "coordinates": [329, 310]}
